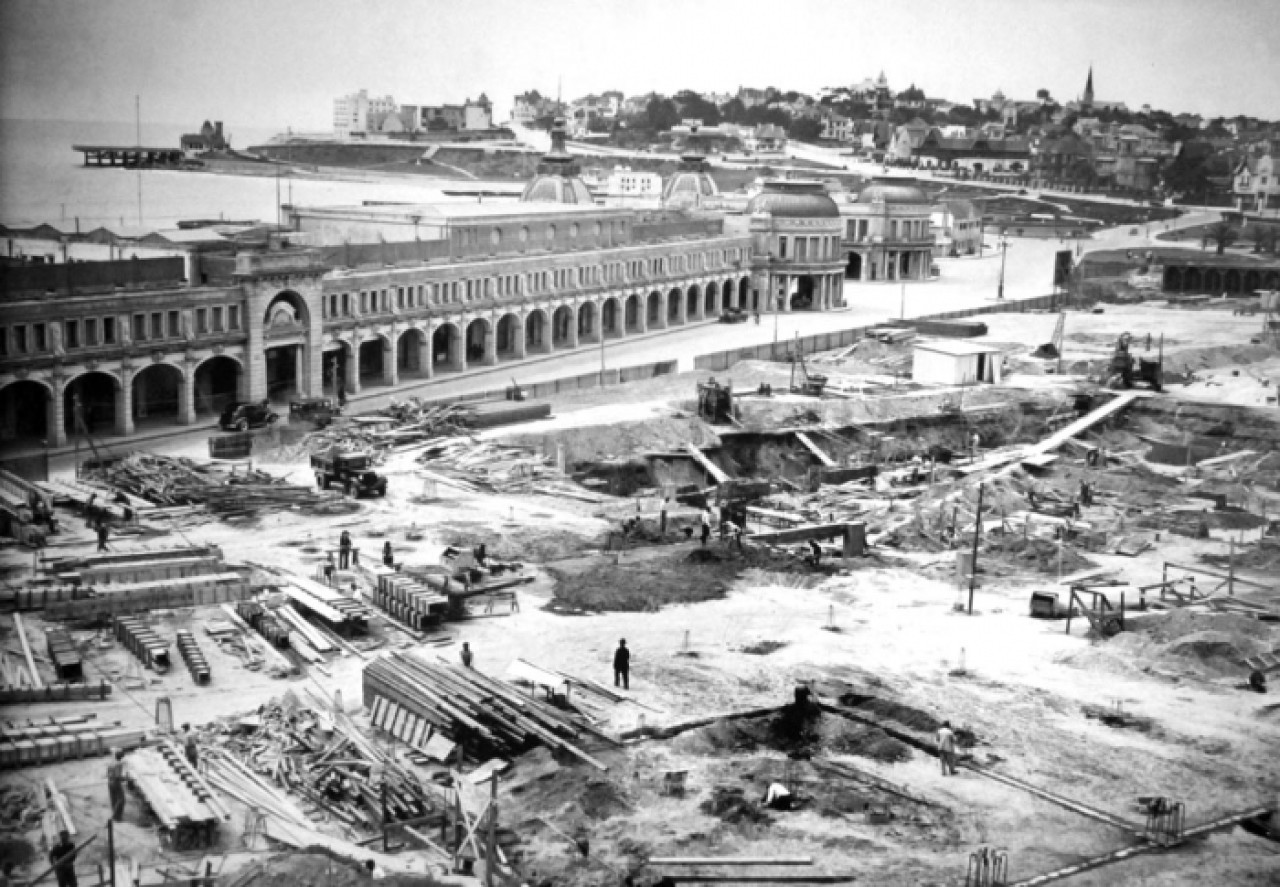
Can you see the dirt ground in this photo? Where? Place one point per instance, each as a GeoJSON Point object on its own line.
{"type": "Point", "coordinates": [714, 632]}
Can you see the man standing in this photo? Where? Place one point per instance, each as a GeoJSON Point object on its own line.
{"type": "Point", "coordinates": [662, 518]}
{"type": "Point", "coordinates": [815, 551]}
{"type": "Point", "coordinates": [102, 534]}
{"type": "Point", "coordinates": [344, 550]}
{"type": "Point", "coordinates": [947, 749]}
{"type": "Point", "coordinates": [63, 859]}
{"type": "Point", "coordinates": [706, 525]}
{"type": "Point", "coordinates": [622, 663]}
{"type": "Point", "coordinates": [466, 655]}
{"type": "Point", "coordinates": [189, 746]}
{"type": "Point", "coordinates": [115, 784]}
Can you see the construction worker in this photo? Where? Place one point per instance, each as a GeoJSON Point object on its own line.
{"type": "Point", "coordinates": [328, 569]}
{"type": "Point", "coordinates": [947, 749]}
{"type": "Point", "coordinates": [344, 550]}
{"type": "Point", "coordinates": [815, 552]}
{"type": "Point", "coordinates": [63, 859]}
{"type": "Point", "coordinates": [662, 517]}
{"type": "Point", "coordinates": [466, 654]}
{"type": "Point", "coordinates": [103, 533]}
{"type": "Point", "coordinates": [706, 525]}
{"type": "Point", "coordinates": [736, 529]}
{"type": "Point", "coordinates": [388, 559]}
{"type": "Point", "coordinates": [115, 784]}
{"type": "Point", "coordinates": [622, 666]}
{"type": "Point", "coordinates": [189, 746]}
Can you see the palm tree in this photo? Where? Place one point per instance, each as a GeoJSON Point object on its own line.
{"type": "Point", "coordinates": [1265, 238]}
{"type": "Point", "coordinates": [1223, 234]}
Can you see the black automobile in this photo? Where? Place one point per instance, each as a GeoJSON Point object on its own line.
{"type": "Point", "coordinates": [243, 416]}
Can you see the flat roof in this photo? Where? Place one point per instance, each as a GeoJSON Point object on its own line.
{"type": "Point", "coordinates": [460, 211]}
{"type": "Point", "coordinates": [956, 348]}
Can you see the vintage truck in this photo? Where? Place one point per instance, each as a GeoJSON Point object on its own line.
{"type": "Point", "coordinates": [354, 471]}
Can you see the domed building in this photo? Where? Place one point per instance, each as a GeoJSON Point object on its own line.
{"type": "Point", "coordinates": [691, 185]}
{"type": "Point", "coordinates": [797, 263]}
{"type": "Point", "coordinates": [886, 231]}
{"type": "Point", "coordinates": [557, 179]}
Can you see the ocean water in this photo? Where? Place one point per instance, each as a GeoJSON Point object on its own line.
{"type": "Point", "coordinates": [42, 180]}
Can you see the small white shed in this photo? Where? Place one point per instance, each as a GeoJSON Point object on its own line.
{"type": "Point", "coordinates": [955, 363]}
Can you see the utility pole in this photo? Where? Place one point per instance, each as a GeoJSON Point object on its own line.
{"type": "Point", "coordinates": [137, 117]}
{"type": "Point", "coordinates": [977, 534]}
{"type": "Point", "coordinates": [492, 848]}
{"type": "Point", "coordinates": [1004, 248]}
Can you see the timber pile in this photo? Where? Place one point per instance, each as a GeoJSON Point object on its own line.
{"type": "Point", "coordinates": [483, 466]}
{"type": "Point", "coordinates": [288, 749]}
{"type": "Point", "coordinates": [141, 640]}
{"type": "Point", "coordinates": [414, 700]}
{"type": "Point", "coordinates": [398, 426]}
{"type": "Point", "coordinates": [177, 794]}
{"type": "Point", "coordinates": [55, 739]}
{"type": "Point", "coordinates": [168, 480]}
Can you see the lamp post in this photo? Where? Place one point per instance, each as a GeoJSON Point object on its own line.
{"type": "Point", "coordinates": [1004, 247]}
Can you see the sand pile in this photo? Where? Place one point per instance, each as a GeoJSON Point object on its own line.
{"type": "Point", "coordinates": [591, 443]}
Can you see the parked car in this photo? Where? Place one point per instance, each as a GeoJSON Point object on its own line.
{"type": "Point", "coordinates": [353, 471]}
{"type": "Point", "coordinates": [319, 410]}
{"type": "Point", "coordinates": [243, 416]}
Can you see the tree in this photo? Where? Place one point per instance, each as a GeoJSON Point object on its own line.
{"type": "Point", "coordinates": [1042, 94]}
{"type": "Point", "coordinates": [805, 129]}
{"type": "Point", "coordinates": [692, 105]}
{"type": "Point", "coordinates": [733, 110]}
{"type": "Point", "coordinates": [1265, 238]}
{"type": "Point", "coordinates": [661, 114]}
{"type": "Point", "coordinates": [1222, 234]}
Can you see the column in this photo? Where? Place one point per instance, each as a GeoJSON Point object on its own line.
{"type": "Point", "coordinates": [518, 344]}
{"type": "Point", "coordinates": [490, 343]}
{"type": "Point", "coordinates": [424, 352]}
{"type": "Point", "coordinates": [572, 332]}
{"type": "Point", "coordinates": [390, 363]}
{"type": "Point", "coordinates": [353, 366]}
{"type": "Point", "coordinates": [187, 395]}
{"type": "Point", "coordinates": [124, 403]}
{"type": "Point", "coordinates": [55, 417]}
{"type": "Point", "coordinates": [642, 315]}
{"type": "Point", "coordinates": [682, 310]}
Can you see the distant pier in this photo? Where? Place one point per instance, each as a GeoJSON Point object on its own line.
{"type": "Point", "coordinates": [112, 155]}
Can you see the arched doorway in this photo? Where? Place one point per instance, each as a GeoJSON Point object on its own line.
{"type": "Point", "coordinates": [535, 332]}
{"type": "Point", "coordinates": [1272, 280]}
{"type": "Point", "coordinates": [1213, 281]}
{"type": "Point", "coordinates": [709, 301]}
{"type": "Point", "coordinates": [853, 268]}
{"type": "Point", "coordinates": [1231, 280]}
{"type": "Point", "coordinates": [94, 395]}
{"type": "Point", "coordinates": [411, 354]}
{"type": "Point", "coordinates": [286, 318]}
{"type": "Point", "coordinates": [691, 301]}
{"type": "Point", "coordinates": [510, 346]}
{"type": "Point", "coordinates": [562, 327]}
{"type": "Point", "coordinates": [587, 331]}
{"type": "Point", "coordinates": [609, 318]}
{"type": "Point", "coordinates": [673, 307]}
{"type": "Point", "coordinates": [631, 316]}
{"type": "Point", "coordinates": [1252, 280]}
{"type": "Point", "coordinates": [1173, 280]}
{"type": "Point", "coordinates": [217, 385]}
{"type": "Point", "coordinates": [477, 332]}
{"type": "Point", "coordinates": [25, 407]}
{"type": "Point", "coordinates": [157, 395]}
{"type": "Point", "coordinates": [446, 348]}
{"type": "Point", "coordinates": [653, 313]}
{"type": "Point", "coordinates": [1192, 280]}
{"type": "Point", "coordinates": [803, 297]}
{"type": "Point", "coordinates": [372, 361]}
{"type": "Point", "coordinates": [744, 287]}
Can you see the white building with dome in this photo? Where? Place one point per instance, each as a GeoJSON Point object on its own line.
{"type": "Point", "coordinates": [886, 231]}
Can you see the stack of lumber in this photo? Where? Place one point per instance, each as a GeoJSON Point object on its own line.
{"type": "Point", "coordinates": [263, 620]}
{"type": "Point", "coordinates": [135, 563]}
{"type": "Point", "coordinates": [413, 699]}
{"type": "Point", "coordinates": [54, 739]}
{"type": "Point", "coordinates": [64, 655]}
{"type": "Point", "coordinates": [168, 480]}
{"type": "Point", "coordinates": [24, 683]}
{"type": "Point", "coordinates": [318, 756]}
{"type": "Point", "coordinates": [398, 426]}
{"type": "Point", "coordinates": [318, 602]}
{"type": "Point", "coordinates": [193, 656]}
{"type": "Point", "coordinates": [161, 594]}
{"type": "Point", "coordinates": [19, 490]}
{"type": "Point", "coordinates": [482, 466]}
{"type": "Point", "coordinates": [175, 792]}
{"type": "Point", "coordinates": [141, 640]}
{"type": "Point", "coordinates": [418, 605]}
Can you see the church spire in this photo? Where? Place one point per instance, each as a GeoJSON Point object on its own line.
{"type": "Point", "coordinates": [1088, 89]}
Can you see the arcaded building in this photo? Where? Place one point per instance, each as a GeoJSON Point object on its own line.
{"type": "Point", "coordinates": [887, 232]}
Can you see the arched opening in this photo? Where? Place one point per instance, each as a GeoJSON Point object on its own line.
{"type": "Point", "coordinates": [217, 385]}
{"type": "Point", "coordinates": [653, 314]}
{"type": "Point", "coordinates": [1272, 281]}
{"type": "Point", "coordinates": [853, 268]}
{"type": "Point", "coordinates": [333, 368]}
{"type": "Point", "coordinates": [1213, 281]}
{"type": "Point", "coordinates": [673, 307]}
{"type": "Point", "coordinates": [1173, 280]}
{"type": "Point", "coordinates": [1231, 281]}
{"type": "Point", "coordinates": [284, 369]}
{"type": "Point", "coordinates": [25, 406]}
{"type": "Point", "coordinates": [287, 311]}
{"type": "Point", "coordinates": [535, 332]}
{"type": "Point", "coordinates": [1252, 280]}
{"type": "Point", "coordinates": [157, 395]}
{"type": "Point", "coordinates": [446, 348]}
{"type": "Point", "coordinates": [372, 361]}
{"type": "Point", "coordinates": [477, 331]}
{"type": "Point", "coordinates": [93, 397]}
{"type": "Point", "coordinates": [562, 327]}
{"type": "Point", "coordinates": [587, 331]}
{"type": "Point", "coordinates": [510, 346]}
{"type": "Point", "coordinates": [411, 353]}
{"type": "Point", "coordinates": [710, 305]}
{"type": "Point", "coordinates": [803, 297]}
{"type": "Point", "coordinates": [744, 286]}
{"type": "Point", "coordinates": [631, 316]}
{"type": "Point", "coordinates": [609, 318]}
{"type": "Point", "coordinates": [691, 301]}
{"type": "Point", "coordinates": [1191, 280]}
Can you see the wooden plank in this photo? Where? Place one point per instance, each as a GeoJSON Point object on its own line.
{"type": "Point", "coordinates": [813, 448]}
{"type": "Point", "coordinates": [711, 468]}
{"type": "Point", "coordinates": [36, 681]}
{"type": "Point", "coordinates": [801, 534]}
{"type": "Point", "coordinates": [731, 860]}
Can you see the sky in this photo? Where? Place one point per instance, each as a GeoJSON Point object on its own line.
{"type": "Point", "coordinates": [280, 63]}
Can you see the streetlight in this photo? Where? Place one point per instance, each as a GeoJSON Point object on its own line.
{"type": "Point", "coordinates": [1004, 247]}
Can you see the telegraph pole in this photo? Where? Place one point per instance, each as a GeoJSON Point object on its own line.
{"type": "Point", "coordinates": [977, 534]}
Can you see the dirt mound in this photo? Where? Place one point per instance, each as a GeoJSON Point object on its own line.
{"type": "Point", "coordinates": [1213, 651]}
{"type": "Point", "coordinates": [602, 800]}
{"type": "Point", "coordinates": [1040, 555]}
{"type": "Point", "coordinates": [732, 805]}
{"type": "Point", "coordinates": [308, 869]}
{"type": "Point", "coordinates": [802, 730]}
{"type": "Point", "coordinates": [763, 648]}
{"type": "Point", "coordinates": [592, 443]}
{"type": "Point", "coordinates": [646, 583]}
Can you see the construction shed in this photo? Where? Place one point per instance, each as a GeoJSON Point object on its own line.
{"type": "Point", "coordinates": [955, 363]}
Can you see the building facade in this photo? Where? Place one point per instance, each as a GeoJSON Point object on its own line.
{"type": "Point", "coordinates": [358, 112]}
{"type": "Point", "coordinates": [887, 232]}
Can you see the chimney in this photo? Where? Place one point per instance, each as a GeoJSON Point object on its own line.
{"type": "Point", "coordinates": [217, 128]}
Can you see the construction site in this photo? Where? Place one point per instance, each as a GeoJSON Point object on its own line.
{"type": "Point", "coordinates": [983, 601]}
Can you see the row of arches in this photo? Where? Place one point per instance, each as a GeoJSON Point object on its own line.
{"type": "Point", "coordinates": [1213, 280]}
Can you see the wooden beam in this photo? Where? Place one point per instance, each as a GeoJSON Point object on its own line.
{"type": "Point", "coordinates": [801, 534]}
{"type": "Point", "coordinates": [1204, 572]}
{"type": "Point", "coordinates": [731, 860]}
{"type": "Point", "coordinates": [813, 448]}
{"type": "Point", "coordinates": [36, 682]}
{"type": "Point", "coordinates": [716, 472]}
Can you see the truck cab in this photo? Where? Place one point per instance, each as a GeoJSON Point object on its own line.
{"type": "Point", "coordinates": [353, 471]}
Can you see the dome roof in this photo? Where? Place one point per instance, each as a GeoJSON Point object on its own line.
{"type": "Point", "coordinates": [785, 198]}
{"type": "Point", "coordinates": [892, 190]}
{"type": "Point", "coordinates": [690, 183]}
{"type": "Point", "coordinates": [557, 179]}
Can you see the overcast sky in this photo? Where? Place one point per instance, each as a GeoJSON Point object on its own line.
{"type": "Point", "coordinates": [278, 63]}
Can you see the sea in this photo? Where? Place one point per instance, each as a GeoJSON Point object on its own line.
{"type": "Point", "coordinates": [42, 180]}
